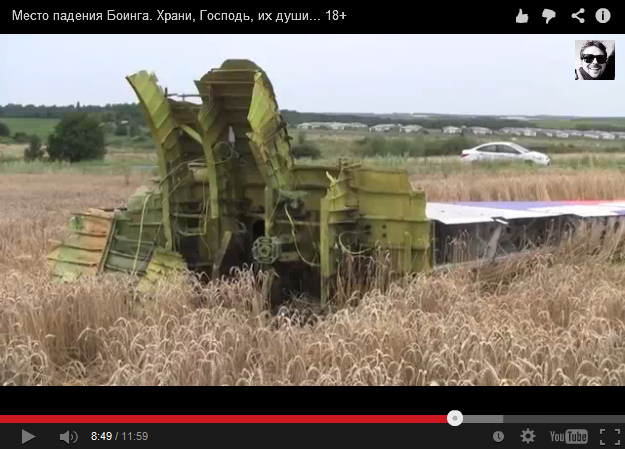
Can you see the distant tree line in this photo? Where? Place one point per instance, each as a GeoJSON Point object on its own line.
{"type": "Point", "coordinates": [131, 112]}
{"type": "Point", "coordinates": [592, 127]}
{"type": "Point", "coordinates": [108, 113]}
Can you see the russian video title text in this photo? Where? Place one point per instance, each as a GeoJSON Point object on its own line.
{"type": "Point", "coordinates": [165, 17]}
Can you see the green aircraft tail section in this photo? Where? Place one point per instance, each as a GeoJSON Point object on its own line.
{"type": "Point", "coordinates": [163, 126]}
{"type": "Point", "coordinates": [229, 193]}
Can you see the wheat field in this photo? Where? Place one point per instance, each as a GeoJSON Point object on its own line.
{"type": "Point", "coordinates": [554, 318]}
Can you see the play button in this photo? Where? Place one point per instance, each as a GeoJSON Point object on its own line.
{"type": "Point", "coordinates": [26, 436]}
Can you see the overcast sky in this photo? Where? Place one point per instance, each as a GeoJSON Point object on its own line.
{"type": "Point", "coordinates": [463, 74]}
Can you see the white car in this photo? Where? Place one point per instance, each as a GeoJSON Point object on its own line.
{"type": "Point", "coordinates": [503, 151]}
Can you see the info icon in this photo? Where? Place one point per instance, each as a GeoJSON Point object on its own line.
{"type": "Point", "coordinates": [602, 15]}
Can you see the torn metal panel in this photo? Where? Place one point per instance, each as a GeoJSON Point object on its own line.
{"type": "Point", "coordinates": [487, 211]}
{"type": "Point", "coordinates": [162, 264]}
{"type": "Point", "coordinates": [81, 253]}
{"type": "Point", "coordinates": [465, 213]}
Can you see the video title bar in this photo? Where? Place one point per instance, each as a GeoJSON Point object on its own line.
{"type": "Point", "coordinates": [428, 18]}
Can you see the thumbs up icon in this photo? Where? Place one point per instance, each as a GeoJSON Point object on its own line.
{"type": "Point", "coordinates": [521, 18]}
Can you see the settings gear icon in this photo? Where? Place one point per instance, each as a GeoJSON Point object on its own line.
{"type": "Point", "coordinates": [527, 436]}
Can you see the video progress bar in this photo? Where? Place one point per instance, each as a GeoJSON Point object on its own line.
{"type": "Point", "coordinates": [543, 419]}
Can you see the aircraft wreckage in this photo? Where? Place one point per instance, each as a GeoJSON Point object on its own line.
{"type": "Point", "coordinates": [229, 194]}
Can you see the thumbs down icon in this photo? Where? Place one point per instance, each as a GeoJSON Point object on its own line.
{"type": "Point", "coordinates": [521, 18]}
{"type": "Point", "coordinates": [549, 14]}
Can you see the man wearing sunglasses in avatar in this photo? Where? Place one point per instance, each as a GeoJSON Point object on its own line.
{"type": "Point", "coordinates": [594, 57]}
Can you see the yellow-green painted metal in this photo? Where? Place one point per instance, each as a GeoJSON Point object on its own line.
{"type": "Point", "coordinates": [373, 208]}
{"type": "Point", "coordinates": [269, 139]}
{"type": "Point", "coordinates": [81, 253]}
{"type": "Point", "coordinates": [227, 179]}
{"type": "Point", "coordinates": [160, 119]}
{"type": "Point", "coordinates": [162, 263]}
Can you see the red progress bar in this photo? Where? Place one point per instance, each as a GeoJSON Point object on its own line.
{"type": "Point", "coordinates": [193, 419]}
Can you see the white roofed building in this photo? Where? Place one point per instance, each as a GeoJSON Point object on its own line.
{"type": "Point", "coordinates": [411, 129]}
{"type": "Point", "coordinates": [480, 130]}
{"type": "Point", "coordinates": [383, 128]}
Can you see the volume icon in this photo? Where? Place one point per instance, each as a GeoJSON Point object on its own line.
{"type": "Point", "coordinates": [69, 437]}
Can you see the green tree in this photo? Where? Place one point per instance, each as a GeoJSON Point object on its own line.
{"type": "Point", "coordinates": [108, 117]}
{"type": "Point", "coordinates": [77, 137]}
{"type": "Point", "coordinates": [121, 130]}
{"type": "Point", "coordinates": [304, 148]}
{"type": "Point", "coordinates": [33, 151]}
{"type": "Point", "coordinates": [133, 129]}
{"type": "Point", "coordinates": [21, 137]}
{"type": "Point", "coordinates": [4, 130]}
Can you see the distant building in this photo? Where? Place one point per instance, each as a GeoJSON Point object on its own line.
{"type": "Point", "coordinates": [356, 126]}
{"type": "Point", "coordinates": [451, 130]}
{"type": "Point", "coordinates": [562, 134]}
{"type": "Point", "coordinates": [528, 133]}
{"type": "Point", "coordinates": [480, 130]}
{"type": "Point", "coordinates": [514, 118]}
{"type": "Point", "coordinates": [574, 133]}
{"type": "Point", "coordinates": [337, 126]}
{"type": "Point", "coordinates": [548, 133]}
{"type": "Point", "coordinates": [334, 126]}
{"type": "Point", "coordinates": [513, 131]}
{"type": "Point", "coordinates": [384, 128]}
{"type": "Point", "coordinates": [411, 129]}
{"type": "Point", "coordinates": [309, 126]}
{"type": "Point", "coordinates": [608, 136]}
{"type": "Point", "coordinates": [591, 135]}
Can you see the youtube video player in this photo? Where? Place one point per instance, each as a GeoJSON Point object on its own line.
{"type": "Point", "coordinates": [313, 195]}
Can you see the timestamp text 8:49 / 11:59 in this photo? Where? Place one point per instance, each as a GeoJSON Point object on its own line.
{"type": "Point", "coordinates": [119, 436]}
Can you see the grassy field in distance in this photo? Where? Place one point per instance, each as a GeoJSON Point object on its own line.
{"type": "Point", "coordinates": [39, 126]}
{"type": "Point", "coordinates": [570, 124]}
{"type": "Point", "coordinates": [352, 143]}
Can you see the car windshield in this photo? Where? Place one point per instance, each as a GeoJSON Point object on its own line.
{"type": "Point", "coordinates": [520, 148]}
